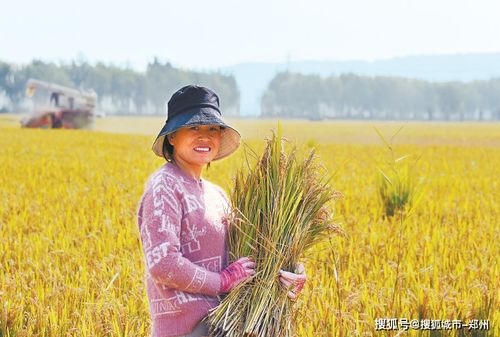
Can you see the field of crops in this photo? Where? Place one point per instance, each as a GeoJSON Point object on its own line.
{"type": "Point", "coordinates": [70, 256]}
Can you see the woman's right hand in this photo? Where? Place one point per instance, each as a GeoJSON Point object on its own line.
{"type": "Point", "coordinates": [235, 273]}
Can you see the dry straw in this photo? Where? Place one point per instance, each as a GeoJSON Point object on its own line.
{"type": "Point", "coordinates": [281, 208]}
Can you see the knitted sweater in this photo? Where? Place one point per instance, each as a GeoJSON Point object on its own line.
{"type": "Point", "coordinates": [183, 234]}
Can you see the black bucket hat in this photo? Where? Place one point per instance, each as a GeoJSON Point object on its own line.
{"type": "Point", "coordinates": [196, 105]}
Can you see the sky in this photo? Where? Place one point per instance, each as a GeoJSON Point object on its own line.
{"type": "Point", "coordinates": [203, 35]}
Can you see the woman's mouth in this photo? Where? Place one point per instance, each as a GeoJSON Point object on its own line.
{"type": "Point", "coordinates": [202, 149]}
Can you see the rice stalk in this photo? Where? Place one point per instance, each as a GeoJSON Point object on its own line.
{"type": "Point", "coordinates": [280, 209]}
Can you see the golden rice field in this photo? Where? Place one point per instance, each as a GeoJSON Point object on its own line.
{"type": "Point", "coordinates": [71, 262]}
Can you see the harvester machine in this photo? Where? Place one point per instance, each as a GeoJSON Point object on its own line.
{"type": "Point", "coordinates": [56, 106]}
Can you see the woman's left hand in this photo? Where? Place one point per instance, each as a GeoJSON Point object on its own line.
{"type": "Point", "coordinates": [293, 282]}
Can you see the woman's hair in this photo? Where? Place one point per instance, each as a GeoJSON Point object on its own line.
{"type": "Point", "coordinates": [167, 150]}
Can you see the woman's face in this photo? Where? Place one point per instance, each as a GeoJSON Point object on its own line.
{"type": "Point", "coordinates": [196, 145]}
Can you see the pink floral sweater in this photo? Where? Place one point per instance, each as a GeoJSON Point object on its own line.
{"type": "Point", "coordinates": [183, 234]}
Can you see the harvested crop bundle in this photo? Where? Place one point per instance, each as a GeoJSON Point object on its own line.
{"type": "Point", "coordinates": [281, 208]}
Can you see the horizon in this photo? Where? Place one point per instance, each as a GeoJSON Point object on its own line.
{"type": "Point", "coordinates": [128, 65]}
{"type": "Point", "coordinates": [253, 78]}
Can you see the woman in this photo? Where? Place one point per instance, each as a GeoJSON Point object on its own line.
{"type": "Point", "coordinates": [181, 219]}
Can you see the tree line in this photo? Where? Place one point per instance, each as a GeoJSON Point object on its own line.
{"type": "Point", "coordinates": [351, 96]}
{"type": "Point", "coordinates": [120, 90]}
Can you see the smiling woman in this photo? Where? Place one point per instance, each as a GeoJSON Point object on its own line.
{"type": "Point", "coordinates": [182, 219]}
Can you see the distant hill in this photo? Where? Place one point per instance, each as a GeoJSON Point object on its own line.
{"type": "Point", "coordinates": [253, 78]}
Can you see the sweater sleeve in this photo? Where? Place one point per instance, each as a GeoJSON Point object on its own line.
{"type": "Point", "coordinates": [159, 222]}
{"type": "Point", "coordinates": [226, 220]}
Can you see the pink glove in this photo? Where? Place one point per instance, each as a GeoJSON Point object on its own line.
{"type": "Point", "coordinates": [235, 273]}
{"type": "Point", "coordinates": [293, 282]}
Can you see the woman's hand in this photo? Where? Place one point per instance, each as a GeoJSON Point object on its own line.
{"type": "Point", "coordinates": [294, 282]}
{"type": "Point", "coordinates": [236, 273]}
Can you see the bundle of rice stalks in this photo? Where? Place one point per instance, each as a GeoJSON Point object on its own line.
{"type": "Point", "coordinates": [281, 208]}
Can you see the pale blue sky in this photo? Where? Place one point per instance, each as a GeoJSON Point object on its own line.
{"type": "Point", "coordinates": [207, 34]}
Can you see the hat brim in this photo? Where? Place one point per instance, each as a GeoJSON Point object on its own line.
{"type": "Point", "coordinates": [230, 138]}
